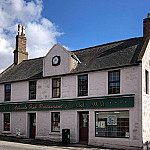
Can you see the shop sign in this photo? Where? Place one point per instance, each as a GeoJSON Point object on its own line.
{"type": "Point", "coordinates": [66, 104]}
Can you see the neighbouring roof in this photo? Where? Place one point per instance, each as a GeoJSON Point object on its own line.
{"type": "Point", "coordinates": [106, 56]}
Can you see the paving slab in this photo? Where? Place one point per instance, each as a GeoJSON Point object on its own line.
{"type": "Point", "coordinates": [14, 143]}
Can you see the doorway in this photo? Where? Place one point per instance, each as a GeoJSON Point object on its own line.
{"type": "Point", "coordinates": [32, 125]}
{"type": "Point", "coordinates": [83, 126]}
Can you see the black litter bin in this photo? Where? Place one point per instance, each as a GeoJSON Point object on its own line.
{"type": "Point", "coordinates": [66, 136]}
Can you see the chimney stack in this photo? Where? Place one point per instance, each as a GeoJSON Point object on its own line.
{"type": "Point", "coordinates": [146, 26]}
{"type": "Point", "coordinates": [20, 53]}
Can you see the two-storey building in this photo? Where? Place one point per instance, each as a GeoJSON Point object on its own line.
{"type": "Point", "coordinates": [100, 93]}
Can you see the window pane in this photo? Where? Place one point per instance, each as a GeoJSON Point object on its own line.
{"type": "Point", "coordinates": [114, 88]}
{"type": "Point", "coordinates": [7, 97]}
{"type": "Point", "coordinates": [56, 82]}
{"type": "Point", "coordinates": [8, 87]}
{"type": "Point", "coordinates": [55, 126]}
{"type": "Point", "coordinates": [6, 122]}
{"type": "Point", "coordinates": [112, 124]}
{"type": "Point", "coordinates": [84, 120]}
{"type": "Point", "coordinates": [56, 116]}
{"type": "Point", "coordinates": [56, 92]}
{"type": "Point", "coordinates": [32, 95]}
{"type": "Point", "coordinates": [110, 76]}
{"type": "Point", "coordinates": [56, 122]}
{"type": "Point", "coordinates": [114, 76]}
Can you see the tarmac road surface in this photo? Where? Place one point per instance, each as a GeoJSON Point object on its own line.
{"type": "Point", "coordinates": [6, 145]}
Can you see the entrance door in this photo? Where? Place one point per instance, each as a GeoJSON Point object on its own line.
{"type": "Point", "coordinates": [32, 125]}
{"type": "Point", "coordinates": [83, 126]}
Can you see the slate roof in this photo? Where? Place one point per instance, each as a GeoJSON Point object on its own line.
{"type": "Point", "coordinates": [106, 56]}
{"type": "Point", "coordinates": [110, 55]}
{"type": "Point", "coordinates": [27, 69]}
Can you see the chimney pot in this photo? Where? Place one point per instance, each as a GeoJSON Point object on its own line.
{"type": "Point", "coordinates": [23, 31]}
{"type": "Point", "coordinates": [19, 26]}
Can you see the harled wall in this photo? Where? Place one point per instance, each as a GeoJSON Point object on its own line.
{"type": "Point", "coordinates": [130, 83]}
{"type": "Point", "coordinates": [146, 97]}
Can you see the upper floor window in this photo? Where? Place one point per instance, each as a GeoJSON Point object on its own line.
{"type": "Point", "coordinates": [7, 92]}
{"type": "Point", "coordinates": [32, 89]}
{"type": "Point", "coordinates": [56, 87]}
{"type": "Point", "coordinates": [83, 85]}
{"type": "Point", "coordinates": [147, 81]}
{"type": "Point", "coordinates": [113, 82]}
{"type": "Point", "coordinates": [7, 122]}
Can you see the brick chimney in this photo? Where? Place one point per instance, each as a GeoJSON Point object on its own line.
{"type": "Point", "coordinates": [20, 53]}
{"type": "Point", "coordinates": [146, 26]}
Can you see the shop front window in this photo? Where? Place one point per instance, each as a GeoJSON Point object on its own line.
{"type": "Point", "coordinates": [7, 122]}
{"type": "Point", "coordinates": [56, 122]}
{"type": "Point", "coordinates": [112, 124]}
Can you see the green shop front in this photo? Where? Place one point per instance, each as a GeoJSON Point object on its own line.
{"type": "Point", "coordinates": [87, 118]}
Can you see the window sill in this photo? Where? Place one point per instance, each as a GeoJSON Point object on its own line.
{"type": "Point", "coordinates": [82, 96]}
{"type": "Point", "coordinates": [56, 97]}
{"type": "Point", "coordinates": [114, 93]}
{"type": "Point", "coordinates": [6, 132]}
{"type": "Point", "coordinates": [55, 133]}
{"type": "Point", "coordinates": [114, 137]}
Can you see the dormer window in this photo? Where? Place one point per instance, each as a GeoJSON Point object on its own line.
{"type": "Point", "coordinates": [75, 60]}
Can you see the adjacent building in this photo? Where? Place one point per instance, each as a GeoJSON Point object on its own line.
{"type": "Point", "coordinates": [100, 93]}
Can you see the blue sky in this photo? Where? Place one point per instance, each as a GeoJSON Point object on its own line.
{"type": "Point", "coordinates": [75, 24]}
{"type": "Point", "coordinates": [92, 22]}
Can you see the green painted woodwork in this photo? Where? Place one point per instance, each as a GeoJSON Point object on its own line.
{"type": "Point", "coordinates": [79, 103]}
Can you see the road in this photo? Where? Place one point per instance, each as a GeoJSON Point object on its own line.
{"type": "Point", "coordinates": [6, 145]}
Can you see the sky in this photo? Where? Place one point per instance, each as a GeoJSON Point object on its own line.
{"type": "Point", "coordinates": [75, 24]}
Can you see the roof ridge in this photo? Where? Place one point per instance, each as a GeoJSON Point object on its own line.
{"type": "Point", "coordinates": [33, 58]}
{"type": "Point", "coordinates": [106, 44]}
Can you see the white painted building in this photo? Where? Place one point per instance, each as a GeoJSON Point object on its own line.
{"type": "Point", "coordinates": [100, 93]}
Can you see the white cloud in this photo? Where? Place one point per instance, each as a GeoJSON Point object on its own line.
{"type": "Point", "coordinates": [41, 33]}
{"type": "Point", "coordinates": [46, 37]}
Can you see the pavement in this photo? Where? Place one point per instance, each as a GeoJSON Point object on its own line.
{"type": "Point", "coordinates": [14, 143]}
